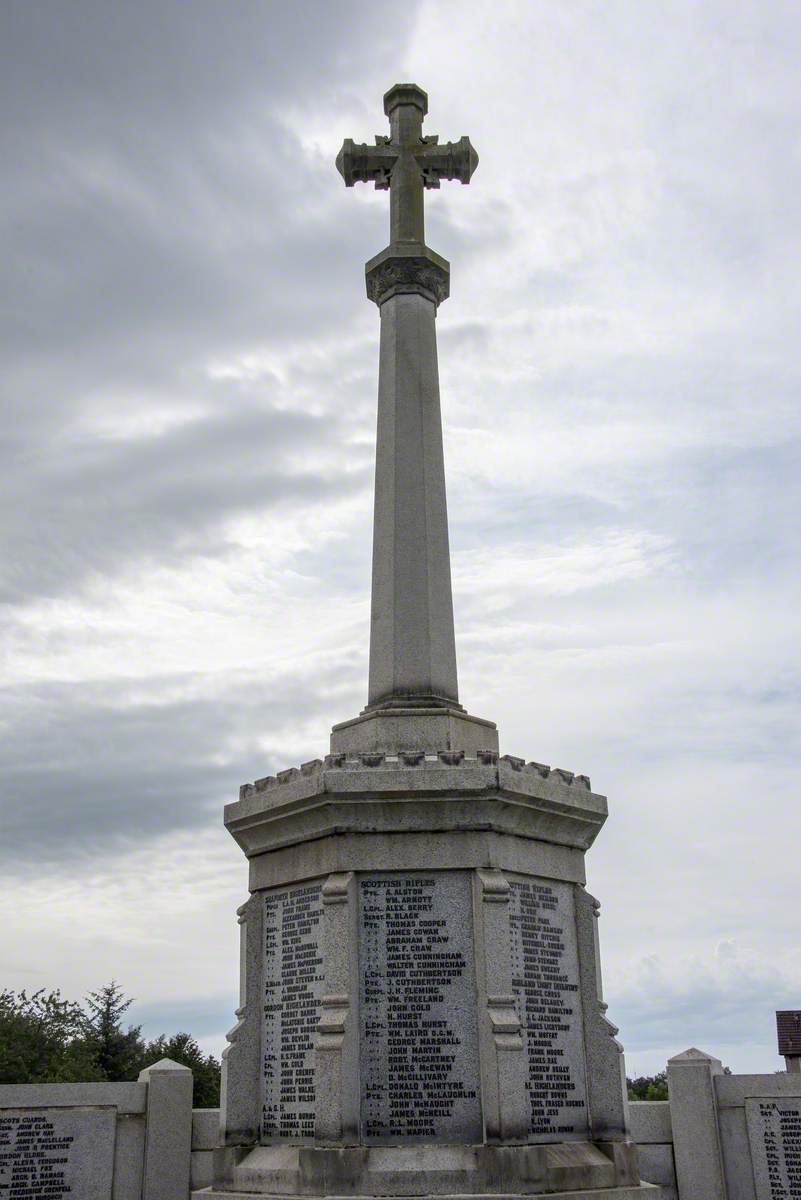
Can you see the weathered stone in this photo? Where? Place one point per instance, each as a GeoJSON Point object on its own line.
{"type": "Point", "coordinates": [412, 650]}
{"type": "Point", "coordinates": [545, 981]}
{"type": "Point", "coordinates": [696, 1137]}
{"type": "Point", "coordinates": [423, 932]}
{"type": "Point", "coordinates": [643, 1191]}
{"type": "Point", "coordinates": [169, 1130]}
{"type": "Point", "coordinates": [84, 1141]}
{"type": "Point", "coordinates": [394, 793]}
{"type": "Point", "coordinates": [419, 1040]}
{"type": "Point", "coordinates": [291, 1004]}
{"type": "Point", "coordinates": [650, 1122]}
{"type": "Point", "coordinates": [337, 1045]}
{"type": "Point", "coordinates": [240, 1091]}
{"type": "Point", "coordinates": [57, 1152]}
{"type": "Point", "coordinates": [774, 1134]}
{"type": "Point", "coordinates": [606, 1075]}
{"type": "Point", "coordinates": [427, 730]}
{"type": "Point", "coordinates": [406, 162]}
{"type": "Point", "coordinates": [407, 269]}
{"type": "Point", "coordinates": [474, 850]}
{"type": "Point", "coordinates": [412, 692]}
{"type": "Point", "coordinates": [504, 1092]}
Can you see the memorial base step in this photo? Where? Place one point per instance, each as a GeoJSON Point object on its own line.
{"type": "Point", "coordinates": [640, 1191]}
{"type": "Point", "coordinates": [427, 1170]}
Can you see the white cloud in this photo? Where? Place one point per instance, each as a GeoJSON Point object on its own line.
{"type": "Point", "coordinates": [190, 369]}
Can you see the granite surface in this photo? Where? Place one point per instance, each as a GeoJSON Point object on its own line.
{"type": "Point", "coordinates": [293, 983]}
{"type": "Point", "coordinates": [57, 1153]}
{"type": "Point", "coordinates": [545, 980]}
{"type": "Point", "coordinates": [774, 1134]}
{"type": "Point", "coordinates": [419, 1038]}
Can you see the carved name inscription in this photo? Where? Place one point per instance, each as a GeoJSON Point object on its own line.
{"type": "Point", "coordinates": [545, 982]}
{"type": "Point", "coordinates": [293, 984]}
{"type": "Point", "coordinates": [774, 1131]}
{"type": "Point", "coordinates": [419, 1039]}
{"type": "Point", "coordinates": [56, 1153]}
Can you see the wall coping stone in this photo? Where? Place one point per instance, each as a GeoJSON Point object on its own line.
{"type": "Point", "coordinates": [650, 1121]}
{"type": "Point", "coordinates": [732, 1091]}
{"type": "Point", "coordinates": [127, 1098]}
{"type": "Point", "coordinates": [205, 1128]}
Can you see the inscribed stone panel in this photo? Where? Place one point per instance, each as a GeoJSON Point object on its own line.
{"type": "Point", "coordinates": [774, 1131]}
{"type": "Point", "coordinates": [419, 1035]}
{"type": "Point", "coordinates": [545, 980]}
{"type": "Point", "coordinates": [56, 1153]}
{"type": "Point", "coordinates": [293, 985]}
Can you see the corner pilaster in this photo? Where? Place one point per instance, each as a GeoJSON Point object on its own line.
{"type": "Point", "coordinates": [337, 1045]}
{"type": "Point", "coordinates": [501, 1040]}
{"type": "Point", "coordinates": [606, 1080]}
{"type": "Point", "coordinates": [240, 1098]}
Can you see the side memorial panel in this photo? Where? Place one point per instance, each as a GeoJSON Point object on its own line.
{"type": "Point", "coordinates": [419, 1036]}
{"type": "Point", "coordinates": [57, 1153]}
{"type": "Point", "coordinates": [545, 981]}
{"type": "Point", "coordinates": [293, 988]}
{"type": "Point", "coordinates": [774, 1132]}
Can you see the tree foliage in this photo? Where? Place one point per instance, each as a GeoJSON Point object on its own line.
{"type": "Point", "coordinates": [648, 1087]}
{"type": "Point", "coordinates": [117, 1051]}
{"type": "Point", "coordinates": [45, 1039]}
{"type": "Point", "coordinates": [182, 1048]}
{"type": "Point", "coordinates": [42, 1040]}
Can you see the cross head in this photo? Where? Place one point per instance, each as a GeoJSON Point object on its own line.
{"type": "Point", "coordinates": [406, 162]}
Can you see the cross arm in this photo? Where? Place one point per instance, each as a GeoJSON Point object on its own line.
{"type": "Point", "coordinates": [359, 163]}
{"type": "Point", "coordinates": [453, 160]}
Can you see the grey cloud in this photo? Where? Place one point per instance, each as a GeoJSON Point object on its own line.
{"type": "Point", "coordinates": [89, 768]}
{"type": "Point", "coordinates": [162, 66]}
{"type": "Point", "coordinates": [150, 180]}
{"type": "Point", "coordinates": [204, 1017]}
{"type": "Point", "coordinates": [93, 504]}
{"type": "Point", "coordinates": [735, 1012]}
{"type": "Point", "coordinates": [724, 485]}
{"type": "Point", "coordinates": [158, 215]}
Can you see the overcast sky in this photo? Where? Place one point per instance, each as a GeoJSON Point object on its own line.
{"type": "Point", "coordinates": [189, 370]}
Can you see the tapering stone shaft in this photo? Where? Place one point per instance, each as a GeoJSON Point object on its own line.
{"type": "Point", "coordinates": [412, 650]}
{"type": "Point", "coordinates": [412, 697]}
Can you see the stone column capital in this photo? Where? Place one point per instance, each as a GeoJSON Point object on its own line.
{"type": "Point", "coordinates": [407, 268]}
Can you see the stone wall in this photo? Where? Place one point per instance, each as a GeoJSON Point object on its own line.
{"type": "Point", "coordinates": [721, 1136]}
{"type": "Point", "coordinates": [652, 1131]}
{"type": "Point", "coordinates": [205, 1139]}
{"type": "Point", "coordinates": [92, 1141]}
{"type": "Point", "coordinates": [736, 1137]}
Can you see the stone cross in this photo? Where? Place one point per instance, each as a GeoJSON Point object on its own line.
{"type": "Point", "coordinates": [421, 1009]}
{"type": "Point", "coordinates": [406, 162]}
{"type": "Point", "coordinates": [412, 695]}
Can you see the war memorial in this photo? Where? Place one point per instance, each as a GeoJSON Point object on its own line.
{"type": "Point", "coordinates": [421, 1006]}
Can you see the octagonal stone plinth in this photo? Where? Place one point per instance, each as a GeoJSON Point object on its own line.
{"type": "Point", "coordinates": [420, 984]}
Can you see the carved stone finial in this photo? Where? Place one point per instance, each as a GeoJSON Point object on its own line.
{"type": "Point", "coordinates": [405, 93]}
{"type": "Point", "coordinates": [423, 272]}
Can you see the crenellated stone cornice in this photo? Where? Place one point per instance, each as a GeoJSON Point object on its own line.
{"type": "Point", "coordinates": [417, 794]}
